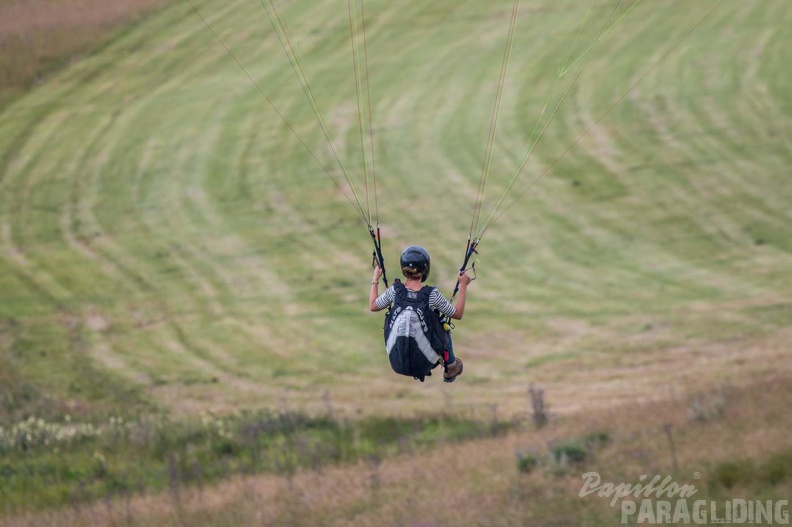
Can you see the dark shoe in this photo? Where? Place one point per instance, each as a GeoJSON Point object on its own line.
{"type": "Point", "coordinates": [454, 371]}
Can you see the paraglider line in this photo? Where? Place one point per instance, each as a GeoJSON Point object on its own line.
{"type": "Point", "coordinates": [608, 111]}
{"type": "Point", "coordinates": [327, 171]}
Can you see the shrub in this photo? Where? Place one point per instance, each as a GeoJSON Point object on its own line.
{"type": "Point", "coordinates": [596, 439]}
{"type": "Point", "coordinates": [732, 473]}
{"type": "Point", "coordinates": [707, 407]}
{"type": "Point", "coordinates": [569, 452]}
{"type": "Point", "coordinates": [777, 469]}
{"type": "Point", "coordinates": [526, 462]}
{"type": "Point", "coordinates": [772, 471]}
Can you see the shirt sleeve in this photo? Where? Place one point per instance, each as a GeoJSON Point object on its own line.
{"type": "Point", "coordinates": [437, 301]}
{"type": "Point", "coordinates": [386, 298]}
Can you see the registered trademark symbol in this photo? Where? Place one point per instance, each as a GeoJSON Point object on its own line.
{"type": "Point", "coordinates": [697, 475]}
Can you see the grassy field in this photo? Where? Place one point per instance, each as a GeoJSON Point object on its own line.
{"type": "Point", "coordinates": [167, 245]}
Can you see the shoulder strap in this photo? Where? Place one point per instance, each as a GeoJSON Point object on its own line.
{"type": "Point", "coordinates": [426, 292]}
{"type": "Point", "coordinates": [399, 288]}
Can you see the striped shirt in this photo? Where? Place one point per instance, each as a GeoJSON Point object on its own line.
{"type": "Point", "coordinates": [436, 301]}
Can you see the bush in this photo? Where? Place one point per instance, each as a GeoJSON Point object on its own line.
{"type": "Point", "coordinates": [596, 439]}
{"type": "Point", "coordinates": [526, 462]}
{"type": "Point", "coordinates": [569, 452]}
{"type": "Point", "coordinates": [777, 469]}
{"type": "Point", "coordinates": [707, 407]}
{"type": "Point", "coordinates": [732, 473]}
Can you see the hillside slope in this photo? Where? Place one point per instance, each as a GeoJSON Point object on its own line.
{"type": "Point", "coordinates": [165, 240]}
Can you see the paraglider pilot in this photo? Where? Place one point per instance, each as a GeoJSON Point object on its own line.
{"type": "Point", "coordinates": [417, 332]}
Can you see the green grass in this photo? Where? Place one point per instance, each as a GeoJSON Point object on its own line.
{"type": "Point", "coordinates": [165, 240]}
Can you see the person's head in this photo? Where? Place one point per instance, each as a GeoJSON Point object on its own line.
{"type": "Point", "coordinates": [415, 263]}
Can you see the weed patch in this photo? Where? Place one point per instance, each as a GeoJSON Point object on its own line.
{"type": "Point", "coordinates": [50, 463]}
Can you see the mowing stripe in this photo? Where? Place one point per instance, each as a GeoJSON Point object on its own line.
{"type": "Point", "coordinates": [607, 112]}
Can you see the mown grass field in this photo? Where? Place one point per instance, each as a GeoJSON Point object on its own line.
{"type": "Point", "coordinates": [166, 243]}
{"type": "Point", "coordinates": [163, 231]}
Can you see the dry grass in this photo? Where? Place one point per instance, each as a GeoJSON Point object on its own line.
{"type": "Point", "coordinates": [38, 36]}
{"type": "Point", "coordinates": [477, 483]}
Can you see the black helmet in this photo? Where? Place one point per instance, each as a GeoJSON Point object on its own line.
{"type": "Point", "coordinates": [416, 257]}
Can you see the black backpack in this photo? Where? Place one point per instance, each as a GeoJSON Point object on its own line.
{"type": "Point", "coordinates": [414, 356]}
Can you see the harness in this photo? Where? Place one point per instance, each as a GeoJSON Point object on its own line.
{"type": "Point", "coordinates": [415, 337]}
